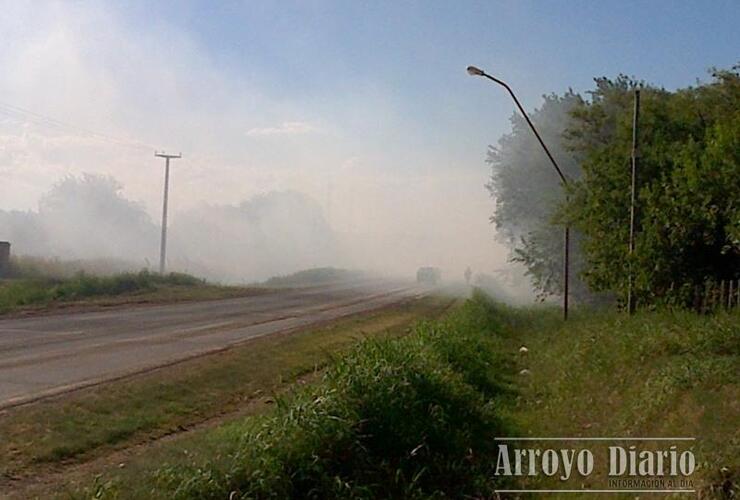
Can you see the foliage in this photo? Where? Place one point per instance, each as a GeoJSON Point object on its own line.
{"type": "Point", "coordinates": [314, 276]}
{"type": "Point", "coordinates": [85, 425]}
{"type": "Point", "coordinates": [688, 225]}
{"type": "Point", "coordinates": [414, 417]}
{"type": "Point", "coordinates": [85, 217]}
{"type": "Point", "coordinates": [39, 290]}
{"type": "Point", "coordinates": [27, 266]}
{"type": "Point", "coordinates": [689, 178]}
{"type": "Point", "coordinates": [527, 190]}
{"type": "Point", "coordinates": [394, 418]}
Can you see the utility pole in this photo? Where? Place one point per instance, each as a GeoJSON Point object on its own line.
{"type": "Point", "coordinates": [163, 243]}
{"type": "Point", "coordinates": [633, 201]}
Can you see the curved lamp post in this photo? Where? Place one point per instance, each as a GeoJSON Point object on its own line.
{"type": "Point", "coordinates": [472, 70]}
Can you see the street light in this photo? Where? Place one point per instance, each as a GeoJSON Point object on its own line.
{"type": "Point", "coordinates": [473, 71]}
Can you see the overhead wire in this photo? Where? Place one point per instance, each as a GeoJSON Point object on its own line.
{"type": "Point", "coordinates": [44, 120]}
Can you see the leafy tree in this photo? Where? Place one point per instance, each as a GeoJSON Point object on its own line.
{"type": "Point", "coordinates": [689, 182]}
{"type": "Point", "coordinates": [527, 190]}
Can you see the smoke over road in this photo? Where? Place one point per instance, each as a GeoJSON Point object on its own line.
{"type": "Point", "coordinates": [342, 171]}
{"type": "Point", "coordinates": [88, 218]}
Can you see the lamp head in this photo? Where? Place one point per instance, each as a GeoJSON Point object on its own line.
{"type": "Point", "coordinates": [473, 71]}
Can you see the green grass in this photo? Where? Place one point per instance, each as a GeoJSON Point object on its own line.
{"type": "Point", "coordinates": [94, 422]}
{"type": "Point", "coordinates": [26, 266]}
{"type": "Point", "coordinates": [144, 286]}
{"type": "Point", "coordinates": [658, 373]}
{"type": "Point", "coordinates": [415, 417]}
{"type": "Point", "coordinates": [403, 417]}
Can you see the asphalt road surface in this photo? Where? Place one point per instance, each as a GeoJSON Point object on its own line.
{"type": "Point", "coordinates": [47, 355]}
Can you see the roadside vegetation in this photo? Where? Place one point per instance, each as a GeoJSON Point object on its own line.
{"type": "Point", "coordinates": [688, 219]}
{"type": "Point", "coordinates": [35, 284]}
{"type": "Point", "coordinates": [314, 277]}
{"type": "Point", "coordinates": [415, 417]}
{"type": "Point", "coordinates": [658, 373]}
{"type": "Point", "coordinates": [27, 266]}
{"type": "Point", "coordinates": [392, 418]}
{"type": "Point", "coordinates": [50, 436]}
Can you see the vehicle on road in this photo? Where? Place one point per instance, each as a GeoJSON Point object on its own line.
{"type": "Point", "coordinates": [428, 275]}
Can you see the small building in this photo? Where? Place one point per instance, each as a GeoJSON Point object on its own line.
{"type": "Point", "coordinates": [4, 258]}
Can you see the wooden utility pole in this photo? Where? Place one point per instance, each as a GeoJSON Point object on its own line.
{"type": "Point", "coordinates": [163, 243]}
{"type": "Point", "coordinates": [633, 201]}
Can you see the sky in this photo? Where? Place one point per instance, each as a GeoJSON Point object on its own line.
{"type": "Point", "coordinates": [364, 106]}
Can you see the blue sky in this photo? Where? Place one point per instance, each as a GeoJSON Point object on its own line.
{"type": "Point", "coordinates": [365, 106]}
{"type": "Point", "coordinates": [414, 53]}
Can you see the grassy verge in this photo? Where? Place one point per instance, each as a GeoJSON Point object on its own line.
{"type": "Point", "coordinates": [93, 422]}
{"type": "Point", "coordinates": [27, 294]}
{"type": "Point", "coordinates": [415, 416]}
{"type": "Point", "coordinates": [662, 373]}
{"type": "Point", "coordinates": [407, 417]}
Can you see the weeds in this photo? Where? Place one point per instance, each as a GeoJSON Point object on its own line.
{"type": "Point", "coordinates": [410, 417]}
{"type": "Point", "coordinates": [313, 277]}
{"type": "Point", "coordinates": [45, 290]}
{"type": "Point", "coordinates": [415, 417]}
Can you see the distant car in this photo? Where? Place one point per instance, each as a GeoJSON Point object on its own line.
{"type": "Point", "coordinates": [428, 275]}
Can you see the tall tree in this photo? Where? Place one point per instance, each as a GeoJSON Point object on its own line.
{"type": "Point", "coordinates": [528, 191]}
{"type": "Point", "coordinates": [689, 181]}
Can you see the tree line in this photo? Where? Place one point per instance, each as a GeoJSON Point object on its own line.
{"type": "Point", "coordinates": [688, 190]}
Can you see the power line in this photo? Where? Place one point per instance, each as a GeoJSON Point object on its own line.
{"type": "Point", "coordinates": [44, 120]}
{"type": "Point", "coordinates": [40, 119]}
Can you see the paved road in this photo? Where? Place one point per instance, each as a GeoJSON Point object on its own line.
{"type": "Point", "coordinates": [46, 355]}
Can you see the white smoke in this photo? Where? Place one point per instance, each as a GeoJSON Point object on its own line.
{"type": "Point", "coordinates": [87, 217]}
{"type": "Point", "coordinates": [388, 200]}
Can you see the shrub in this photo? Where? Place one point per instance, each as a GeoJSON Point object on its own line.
{"type": "Point", "coordinates": [395, 418]}
{"type": "Point", "coordinates": [42, 290]}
